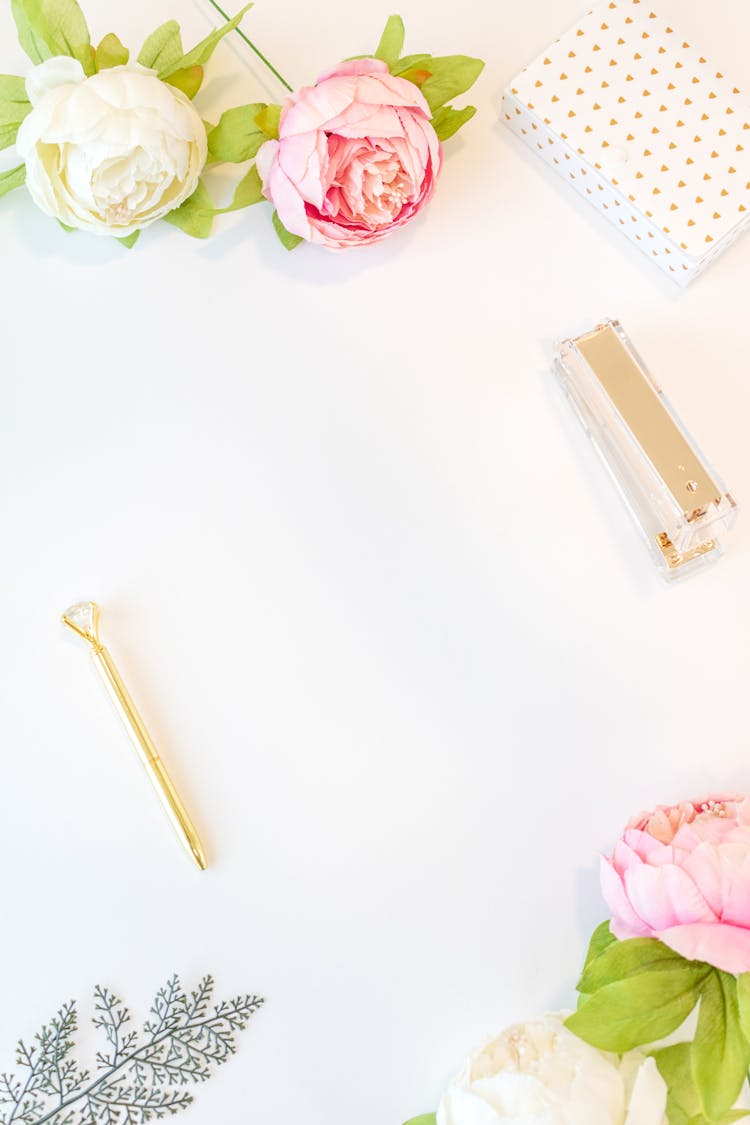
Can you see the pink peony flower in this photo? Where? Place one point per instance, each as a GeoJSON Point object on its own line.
{"type": "Point", "coordinates": [356, 156]}
{"type": "Point", "coordinates": [682, 874]}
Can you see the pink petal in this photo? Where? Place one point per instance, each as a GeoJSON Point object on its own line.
{"type": "Point", "coordinates": [264, 160]}
{"type": "Point", "coordinates": [355, 66]}
{"type": "Point", "coordinates": [740, 834]}
{"type": "Point", "coordinates": [387, 90]}
{"type": "Point", "coordinates": [665, 896]}
{"type": "Point", "coordinates": [704, 868]}
{"type": "Point", "coordinates": [641, 842]}
{"type": "Point", "coordinates": [364, 120]}
{"type": "Point", "coordinates": [316, 106]}
{"type": "Point", "coordinates": [735, 867]}
{"type": "Point", "coordinates": [725, 947]}
{"type": "Point", "coordinates": [665, 856]}
{"type": "Point", "coordinates": [423, 139]}
{"type": "Point", "coordinates": [661, 824]}
{"type": "Point", "coordinates": [333, 103]}
{"type": "Point", "coordinates": [301, 158]}
{"type": "Point", "coordinates": [687, 837]}
{"type": "Point", "coordinates": [624, 857]}
{"type": "Point", "coordinates": [623, 914]}
{"type": "Point", "coordinates": [288, 202]}
{"type": "Point", "coordinates": [337, 237]}
{"type": "Point", "coordinates": [723, 875]}
{"type": "Point", "coordinates": [716, 829]}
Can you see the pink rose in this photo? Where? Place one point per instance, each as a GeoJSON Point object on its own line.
{"type": "Point", "coordinates": [356, 156]}
{"type": "Point", "coordinates": [682, 874]}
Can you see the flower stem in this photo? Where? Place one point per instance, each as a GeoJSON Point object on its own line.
{"type": "Point", "coordinates": [252, 47]}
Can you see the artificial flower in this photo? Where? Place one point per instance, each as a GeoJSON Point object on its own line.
{"type": "Point", "coordinates": [539, 1073]}
{"type": "Point", "coordinates": [682, 874]}
{"type": "Point", "coordinates": [356, 156]}
{"type": "Point", "coordinates": [110, 153]}
{"type": "Point", "coordinates": [110, 145]}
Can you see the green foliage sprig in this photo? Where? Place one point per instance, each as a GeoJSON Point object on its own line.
{"type": "Point", "coordinates": [636, 992]}
{"type": "Point", "coordinates": [140, 1075]}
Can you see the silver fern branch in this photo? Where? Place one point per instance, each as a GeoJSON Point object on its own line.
{"type": "Point", "coordinates": [136, 1080]}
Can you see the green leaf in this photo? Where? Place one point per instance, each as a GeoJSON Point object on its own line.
{"type": "Point", "coordinates": [163, 47]}
{"type": "Point", "coordinates": [14, 106]}
{"type": "Point", "coordinates": [189, 80]}
{"type": "Point", "coordinates": [743, 1000]}
{"type": "Point", "coordinates": [450, 76]}
{"type": "Point", "coordinates": [287, 239]}
{"type": "Point", "coordinates": [130, 241]}
{"type": "Point", "coordinates": [424, 1119]}
{"type": "Point", "coordinates": [410, 62]}
{"type": "Point", "coordinates": [676, 1068]}
{"type": "Point", "coordinates": [237, 136]}
{"type": "Point", "coordinates": [721, 1053]}
{"type": "Point", "coordinates": [196, 215]}
{"type": "Point", "coordinates": [416, 75]}
{"type": "Point", "coordinates": [32, 43]}
{"type": "Point", "coordinates": [53, 27]}
{"type": "Point", "coordinates": [12, 91]}
{"type": "Point", "coordinates": [268, 121]}
{"type": "Point", "coordinates": [65, 227]}
{"type": "Point", "coordinates": [623, 959]}
{"type": "Point", "coordinates": [111, 52]}
{"type": "Point", "coordinates": [600, 940]}
{"type": "Point", "coordinates": [12, 179]}
{"type": "Point", "coordinates": [639, 1009]}
{"type": "Point", "coordinates": [446, 122]}
{"type": "Point", "coordinates": [701, 1119]}
{"type": "Point", "coordinates": [248, 192]}
{"type": "Point", "coordinates": [391, 41]}
{"type": "Point", "coordinates": [684, 1107]}
{"type": "Point", "coordinates": [201, 53]}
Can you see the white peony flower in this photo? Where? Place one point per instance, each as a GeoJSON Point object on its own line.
{"type": "Point", "coordinates": [539, 1073]}
{"type": "Point", "coordinates": [110, 153]}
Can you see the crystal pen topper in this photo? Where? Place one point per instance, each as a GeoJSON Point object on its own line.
{"type": "Point", "coordinates": [677, 499]}
{"type": "Point", "coordinates": [83, 619]}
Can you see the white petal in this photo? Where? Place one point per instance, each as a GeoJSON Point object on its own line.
{"type": "Point", "coordinates": [647, 1103]}
{"type": "Point", "coordinates": [462, 1107]}
{"type": "Point", "coordinates": [59, 71]}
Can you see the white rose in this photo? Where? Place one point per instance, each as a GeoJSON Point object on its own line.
{"type": "Point", "coordinates": [110, 153]}
{"type": "Point", "coordinates": [539, 1073]}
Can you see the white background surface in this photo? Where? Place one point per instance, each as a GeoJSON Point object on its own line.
{"type": "Point", "coordinates": [401, 647]}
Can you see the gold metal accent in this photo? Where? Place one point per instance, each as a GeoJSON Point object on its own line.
{"type": "Point", "coordinates": [638, 402]}
{"type": "Point", "coordinates": [83, 619]}
{"type": "Point", "coordinates": [675, 558]}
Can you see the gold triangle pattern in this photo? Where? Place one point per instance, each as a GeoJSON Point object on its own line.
{"type": "Point", "coordinates": [628, 66]}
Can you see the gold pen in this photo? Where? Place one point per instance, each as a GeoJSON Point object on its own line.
{"type": "Point", "coordinates": [83, 619]}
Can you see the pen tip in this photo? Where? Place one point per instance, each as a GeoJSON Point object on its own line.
{"type": "Point", "coordinates": [200, 858]}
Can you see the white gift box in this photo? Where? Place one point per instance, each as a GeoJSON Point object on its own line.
{"type": "Point", "coordinates": [643, 125]}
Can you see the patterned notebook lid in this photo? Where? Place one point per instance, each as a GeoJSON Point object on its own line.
{"type": "Point", "coordinates": [638, 102]}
